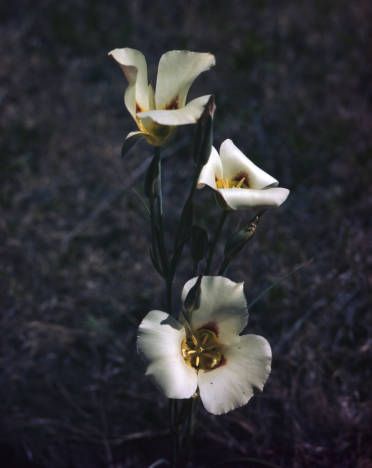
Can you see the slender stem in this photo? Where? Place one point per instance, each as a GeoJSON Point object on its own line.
{"type": "Point", "coordinates": [173, 431]}
{"type": "Point", "coordinates": [168, 278]}
{"type": "Point", "coordinates": [178, 246]}
{"type": "Point", "coordinates": [195, 269]}
{"type": "Point", "coordinates": [215, 240]}
{"type": "Point", "coordinates": [161, 224]}
{"type": "Point", "coordinates": [169, 285]}
{"type": "Point", "coordinates": [190, 428]}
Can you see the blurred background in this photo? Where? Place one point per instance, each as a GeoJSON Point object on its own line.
{"type": "Point", "coordinates": [292, 85]}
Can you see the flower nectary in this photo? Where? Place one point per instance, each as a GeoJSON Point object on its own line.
{"type": "Point", "coordinates": [201, 350]}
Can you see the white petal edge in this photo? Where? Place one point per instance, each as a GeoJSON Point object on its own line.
{"type": "Point", "coordinates": [235, 162]}
{"type": "Point", "coordinates": [222, 305]}
{"type": "Point", "coordinates": [230, 386]}
{"type": "Point", "coordinates": [130, 140]}
{"type": "Point", "coordinates": [159, 340]}
{"type": "Point", "coordinates": [239, 198]}
{"type": "Point", "coordinates": [189, 114]}
{"type": "Point", "coordinates": [176, 72]}
{"type": "Point", "coordinates": [134, 66]}
{"type": "Point", "coordinates": [211, 170]}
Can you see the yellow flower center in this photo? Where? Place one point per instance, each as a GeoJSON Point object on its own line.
{"type": "Point", "coordinates": [202, 350]}
{"type": "Point", "coordinates": [239, 181]}
{"type": "Point", "coordinates": [154, 133]}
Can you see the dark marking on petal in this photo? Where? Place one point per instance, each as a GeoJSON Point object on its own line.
{"type": "Point", "coordinates": [223, 361]}
{"type": "Point", "coordinates": [242, 175]}
{"type": "Point", "coordinates": [212, 326]}
{"type": "Point", "coordinates": [173, 104]}
{"type": "Point", "coordinates": [138, 108]}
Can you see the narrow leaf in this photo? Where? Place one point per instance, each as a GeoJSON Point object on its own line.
{"type": "Point", "coordinates": [199, 243]}
{"type": "Point", "coordinates": [204, 134]}
{"type": "Point", "coordinates": [192, 300]}
{"type": "Point", "coordinates": [129, 143]}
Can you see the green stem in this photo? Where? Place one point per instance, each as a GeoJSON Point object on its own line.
{"type": "Point", "coordinates": [173, 431]}
{"type": "Point", "coordinates": [169, 284]}
{"type": "Point", "coordinates": [179, 245]}
{"type": "Point", "coordinates": [161, 224]}
{"type": "Point", "coordinates": [190, 429]}
{"type": "Point", "coordinates": [215, 241]}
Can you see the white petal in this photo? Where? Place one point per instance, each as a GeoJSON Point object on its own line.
{"type": "Point", "coordinates": [159, 339]}
{"type": "Point", "coordinates": [189, 114]}
{"type": "Point", "coordinates": [248, 365]}
{"type": "Point", "coordinates": [211, 170]}
{"type": "Point", "coordinates": [176, 72]}
{"type": "Point", "coordinates": [237, 198]}
{"type": "Point", "coordinates": [223, 307]}
{"type": "Point", "coordinates": [133, 64]}
{"type": "Point", "coordinates": [234, 162]}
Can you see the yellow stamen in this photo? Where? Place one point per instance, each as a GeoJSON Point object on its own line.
{"type": "Point", "coordinates": [241, 182]}
{"type": "Point", "coordinates": [201, 350]}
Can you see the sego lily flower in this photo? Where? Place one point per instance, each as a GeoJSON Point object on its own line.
{"type": "Point", "coordinates": [207, 355]}
{"type": "Point", "coordinates": [157, 113]}
{"type": "Point", "coordinates": [238, 181]}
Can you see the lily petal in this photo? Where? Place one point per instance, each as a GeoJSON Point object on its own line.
{"type": "Point", "coordinates": [159, 339]}
{"type": "Point", "coordinates": [188, 114]}
{"type": "Point", "coordinates": [223, 307]}
{"type": "Point", "coordinates": [235, 162]}
{"type": "Point", "coordinates": [247, 365]}
{"type": "Point", "coordinates": [134, 66]}
{"type": "Point", "coordinates": [211, 170]}
{"type": "Point", "coordinates": [176, 72]}
{"type": "Point", "coordinates": [237, 198]}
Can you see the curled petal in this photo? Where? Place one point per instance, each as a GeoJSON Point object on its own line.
{"type": "Point", "coordinates": [240, 198]}
{"type": "Point", "coordinates": [235, 162]}
{"type": "Point", "coordinates": [183, 116]}
{"type": "Point", "coordinates": [176, 72]}
{"type": "Point", "coordinates": [130, 140]}
{"type": "Point", "coordinates": [133, 64]}
{"type": "Point", "coordinates": [159, 340]}
{"type": "Point", "coordinates": [247, 364]}
{"type": "Point", "coordinates": [223, 307]}
{"type": "Point", "coordinates": [211, 170]}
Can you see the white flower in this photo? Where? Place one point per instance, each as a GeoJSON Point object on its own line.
{"type": "Point", "coordinates": [157, 113]}
{"type": "Point", "coordinates": [238, 181]}
{"type": "Point", "coordinates": [211, 357]}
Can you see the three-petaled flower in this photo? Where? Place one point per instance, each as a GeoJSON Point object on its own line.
{"type": "Point", "coordinates": [157, 113]}
{"type": "Point", "coordinates": [238, 181]}
{"type": "Point", "coordinates": [207, 355]}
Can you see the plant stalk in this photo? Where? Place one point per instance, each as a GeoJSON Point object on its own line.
{"type": "Point", "coordinates": [215, 241]}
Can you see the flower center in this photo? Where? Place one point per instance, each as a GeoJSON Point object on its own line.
{"type": "Point", "coordinates": [239, 181]}
{"type": "Point", "coordinates": [155, 134]}
{"type": "Point", "coordinates": [201, 350]}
